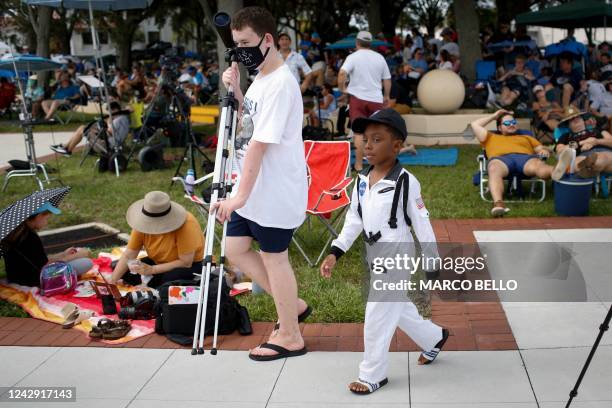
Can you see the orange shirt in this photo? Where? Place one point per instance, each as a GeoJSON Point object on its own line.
{"type": "Point", "coordinates": [498, 145]}
{"type": "Point", "coordinates": [162, 248]}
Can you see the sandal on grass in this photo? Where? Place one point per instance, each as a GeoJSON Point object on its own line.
{"type": "Point", "coordinates": [427, 357]}
{"type": "Point", "coordinates": [371, 387]}
{"type": "Point", "coordinates": [301, 317]}
{"type": "Point", "coordinates": [281, 352]}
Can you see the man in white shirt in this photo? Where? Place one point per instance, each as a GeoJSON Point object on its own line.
{"type": "Point", "coordinates": [294, 61]}
{"type": "Point", "coordinates": [269, 202]}
{"type": "Point", "coordinates": [368, 75]}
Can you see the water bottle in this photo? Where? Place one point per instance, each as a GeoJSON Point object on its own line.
{"type": "Point", "coordinates": [189, 182]}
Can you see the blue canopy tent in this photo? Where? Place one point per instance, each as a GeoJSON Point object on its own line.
{"type": "Point", "coordinates": [27, 63]}
{"type": "Point", "coordinates": [349, 42]}
{"type": "Point", "coordinates": [22, 65]}
{"type": "Point", "coordinates": [6, 74]}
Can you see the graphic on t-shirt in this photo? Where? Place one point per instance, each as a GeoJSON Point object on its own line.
{"type": "Point", "coordinates": [248, 110]}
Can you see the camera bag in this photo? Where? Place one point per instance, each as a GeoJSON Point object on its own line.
{"type": "Point", "coordinates": [177, 321]}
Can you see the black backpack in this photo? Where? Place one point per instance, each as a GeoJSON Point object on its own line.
{"type": "Point", "coordinates": [178, 321]}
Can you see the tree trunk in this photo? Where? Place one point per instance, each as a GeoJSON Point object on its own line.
{"type": "Point", "coordinates": [124, 48]}
{"type": "Point", "coordinates": [43, 30]}
{"type": "Point", "coordinates": [374, 18]}
{"type": "Point", "coordinates": [589, 35]}
{"type": "Point", "coordinates": [230, 7]}
{"type": "Point", "coordinates": [467, 29]}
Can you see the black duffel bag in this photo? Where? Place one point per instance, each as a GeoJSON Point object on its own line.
{"type": "Point", "coordinates": [177, 321]}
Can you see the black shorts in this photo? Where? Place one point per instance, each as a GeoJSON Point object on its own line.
{"type": "Point", "coordinates": [271, 240]}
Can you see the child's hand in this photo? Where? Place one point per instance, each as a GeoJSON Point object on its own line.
{"type": "Point", "coordinates": [328, 264]}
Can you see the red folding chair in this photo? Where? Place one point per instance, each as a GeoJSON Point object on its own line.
{"type": "Point", "coordinates": [328, 181]}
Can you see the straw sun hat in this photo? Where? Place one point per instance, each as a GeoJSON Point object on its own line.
{"type": "Point", "coordinates": [570, 113]}
{"type": "Point", "coordinates": [156, 214]}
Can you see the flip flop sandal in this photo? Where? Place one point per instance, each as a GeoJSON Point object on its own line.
{"type": "Point", "coordinates": [68, 309]}
{"type": "Point", "coordinates": [371, 387]}
{"type": "Point", "coordinates": [97, 331]}
{"type": "Point", "coordinates": [79, 317]}
{"type": "Point", "coordinates": [282, 352]}
{"type": "Point", "coordinates": [301, 317]}
{"type": "Point", "coordinates": [427, 357]}
{"type": "Point", "coordinates": [70, 318]}
{"type": "Point", "coordinates": [119, 330]}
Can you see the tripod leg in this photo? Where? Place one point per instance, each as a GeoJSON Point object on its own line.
{"type": "Point", "coordinates": [116, 166]}
{"type": "Point", "coordinates": [177, 173]}
{"type": "Point", "coordinates": [602, 329]}
{"type": "Point", "coordinates": [198, 332]}
{"type": "Point", "coordinates": [220, 178]}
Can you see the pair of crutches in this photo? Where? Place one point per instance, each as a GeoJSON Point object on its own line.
{"type": "Point", "coordinates": [221, 188]}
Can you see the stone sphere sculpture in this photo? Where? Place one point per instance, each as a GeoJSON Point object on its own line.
{"type": "Point", "coordinates": [441, 91]}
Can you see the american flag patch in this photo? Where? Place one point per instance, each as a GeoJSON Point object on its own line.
{"type": "Point", "coordinates": [419, 203]}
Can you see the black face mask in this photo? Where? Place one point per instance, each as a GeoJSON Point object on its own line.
{"type": "Point", "coordinates": [251, 57]}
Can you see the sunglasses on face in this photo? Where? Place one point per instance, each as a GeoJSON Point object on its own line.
{"type": "Point", "coordinates": [509, 122]}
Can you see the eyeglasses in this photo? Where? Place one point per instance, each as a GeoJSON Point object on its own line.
{"type": "Point", "coordinates": [511, 122]}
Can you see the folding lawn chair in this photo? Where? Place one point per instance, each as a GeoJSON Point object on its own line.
{"type": "Point", "coordinates": [515, 182]}
{"type": "Point", "coordinates": [328, 181]}
{"type": "Point", "coordinates": [485, 71]}
{"type": "Point", "coordinates": [514, 187]}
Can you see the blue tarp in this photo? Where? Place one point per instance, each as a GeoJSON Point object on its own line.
{"type": "Point", "coordinates": [426, 157]}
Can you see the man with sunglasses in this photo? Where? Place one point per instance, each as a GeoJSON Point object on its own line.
{"type": "Point", "coordinates": [509, 153]}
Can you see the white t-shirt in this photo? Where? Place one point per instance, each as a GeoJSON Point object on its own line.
{"type": "Point", "coordinates": [366, 70]}
{"type": "Point", "coordinates": [297, 63]}
{"type": "Point", "coordinates": [451, 47]}
{"type": "Point", "coordinates": [273, 114]}
{"type": "Point", "coordinates": [603, 103]}
{"type": "Point", "coordinates": [446, 65]}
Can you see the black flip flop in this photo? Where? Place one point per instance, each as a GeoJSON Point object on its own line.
{"type": "Point", "coordinates": [282, 352]}
{"type": "Point", "coordinates": [301, 317]}
{"type": "Point", "coordinates": [371, 386]}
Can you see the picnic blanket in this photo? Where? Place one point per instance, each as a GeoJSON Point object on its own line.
{"type": "Point", "coordinates": [49, 308]}
{"type": "Point", "coordinates": [426, 157]}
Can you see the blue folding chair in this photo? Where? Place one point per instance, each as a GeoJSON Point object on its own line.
{"type": "Point", "coordinates": [485, 71]}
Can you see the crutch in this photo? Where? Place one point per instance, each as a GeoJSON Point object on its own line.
{"type": "Point", "coordinates": [221, 187]}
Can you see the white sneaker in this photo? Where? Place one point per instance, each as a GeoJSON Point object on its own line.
{"type": "Point", "coordinates": [563, 162]}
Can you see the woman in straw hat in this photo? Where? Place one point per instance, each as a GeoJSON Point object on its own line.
{"type": "Point", "coordinates": [591, 148]}
{"type": "Point", "coordinates": [171, 236]}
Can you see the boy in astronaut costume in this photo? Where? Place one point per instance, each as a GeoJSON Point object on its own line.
{"type": "Point", "coordinates": [385, 203]}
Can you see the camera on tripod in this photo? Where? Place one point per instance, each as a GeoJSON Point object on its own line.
{"type": "Point", "coordinates": [170, 67]}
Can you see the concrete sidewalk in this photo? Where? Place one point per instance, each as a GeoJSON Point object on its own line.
{"type": "Point", "coordinates": [527, 378]}
{"type": "Point", "coordinates": [13, 145]}
{"type": "Point", "coordinates": [553, 339]}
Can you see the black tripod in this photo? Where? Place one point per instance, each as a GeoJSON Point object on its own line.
{"type": "Point", "coordinates": [602, 329]}
{"type": "Point", "coordinates": [191, 145]}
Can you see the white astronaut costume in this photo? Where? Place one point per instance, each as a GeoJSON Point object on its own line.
{"type": "Point", "coordinates": [382, 318]}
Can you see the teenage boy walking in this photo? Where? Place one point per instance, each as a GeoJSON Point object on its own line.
{"type": "Point", "coordinates": [270, 200]}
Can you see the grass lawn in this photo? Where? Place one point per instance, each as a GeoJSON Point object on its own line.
{"type": "Point", "coordinates": [447, 191]}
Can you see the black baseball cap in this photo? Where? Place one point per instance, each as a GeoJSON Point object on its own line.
{"type": "Point", "coordinates": [387, 117]}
